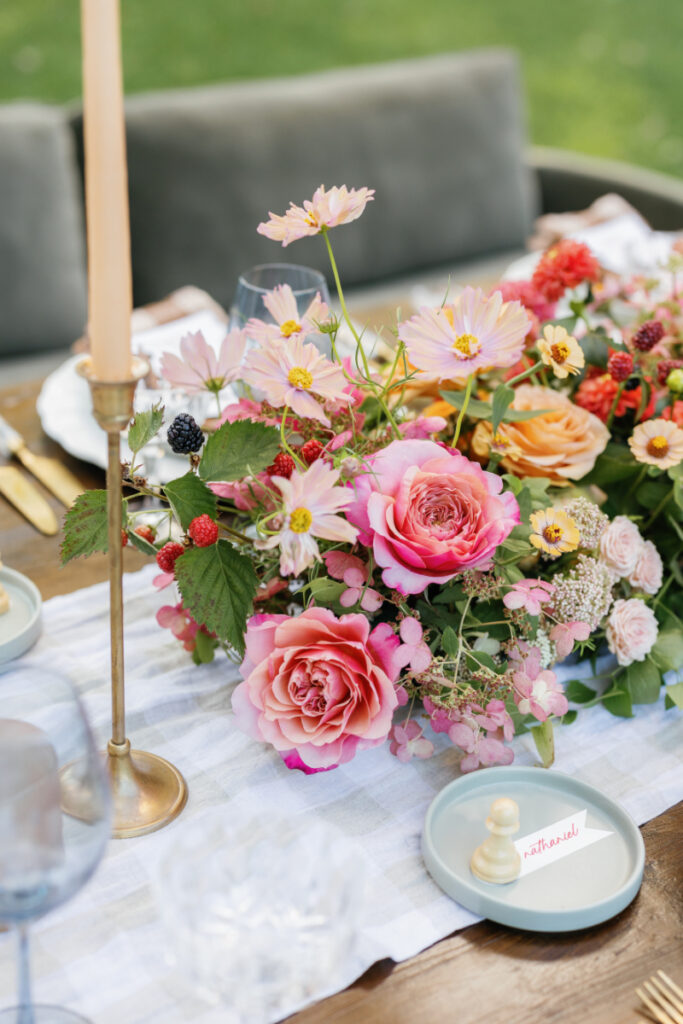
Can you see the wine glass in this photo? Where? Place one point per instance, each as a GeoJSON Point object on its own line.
{"type": "Point", "coordinates": [253, 284]}
{"type": "Point", "coordinates": [47, 759]}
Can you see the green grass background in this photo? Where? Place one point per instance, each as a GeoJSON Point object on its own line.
{"type": "Point", "coordinates": [601, 76]}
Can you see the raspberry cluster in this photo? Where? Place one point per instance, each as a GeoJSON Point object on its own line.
{"type": "Point", "coordinates": [166, 556]}
{"type": "Point", "coordinates": [620, 366]}
{"type": "Point", "coordinates": [311, 451]}
{"type": "Point", "coordinates": [203, 530]}
{"type": "Point", "coordinates": [665, 367]}
{"type": "Point", "coordinates": [647, 335]}
{"type": "Point", "coordinates": [283, 465]}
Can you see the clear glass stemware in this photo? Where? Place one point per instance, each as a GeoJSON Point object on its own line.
{"type": "Point", "coordinates": [46, 856]}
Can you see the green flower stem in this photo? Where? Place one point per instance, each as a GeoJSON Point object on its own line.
{"type": "Point", "coordinates": [466, 402]}
{"type": "Point", "coordinates": [637, 482]}
{"type": "Point", "coordinates": [236, 534]}
{"type": "Point", "coordinates": [658, 510]}
{"type": "Point", "coordinates": [525, 373]}
{"type": "Point", "coordinates": [354, 332]}
{"type": "Point", "coordinates": [615, 403]}
{"type": "Point", "coordinates": [283, 439]}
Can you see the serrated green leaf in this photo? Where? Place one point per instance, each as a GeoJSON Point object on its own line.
{"type": "Point", "coordinates": [667, 653]}
{"type": "Point", "coordinates": [144, 427]}
{"type": "Point", "coordinates": [217, 585]}
{"type": "Point", "coordinates": [643, 681]}
{"type": "Point", "coordinates": [85, 526]}
{"type": "Point", "coordinates": [674, 695]}
{"type": "Point", "coordinates": [503, 396]}
{"type": "Point", "coordinates": [238, 449]}
{"type": "Point", "coordinates": [577, 692]}
{"type": "Point", "coordinates": [189, 497]}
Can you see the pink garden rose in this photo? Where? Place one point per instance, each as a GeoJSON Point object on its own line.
{"type": "Point", "coordinates": [318, 687]}
{"type": "Point", "coordinates": [631, 630]}
{"type": "Point", "coordinates": [621, 546]}
{"type": "Point", "coordinates": [647, 575]}
{"type": "Point", "coordinates": [429, 513]}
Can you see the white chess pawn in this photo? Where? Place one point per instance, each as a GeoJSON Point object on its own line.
{"type": "Point", "coordinates": [497, 860]}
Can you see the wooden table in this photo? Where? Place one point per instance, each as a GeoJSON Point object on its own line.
{"type": "Point", "coordinates": [485, 973]}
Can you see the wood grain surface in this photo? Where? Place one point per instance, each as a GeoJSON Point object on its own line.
{"type": "Point", "coordinates": [485, 973]}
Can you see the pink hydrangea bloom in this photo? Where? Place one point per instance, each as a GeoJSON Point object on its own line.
{"type": "Point", "coordinates": [496, 718]}
{"type": "Point", "coordinates": [439, 719]}
{"type": "Point", "coordinates": [201, 368]}
{"type": "Point", "coordinates": [540, 697]}
{"type": "Point", "coordinates": [408, 741]}
{"type": "Point", "coordinates": [529, 595]}
{"type": "Point", "coordinates": [282, 306]}
{"type": "Point", "coordinates": [413, 651]}
{"type": "Point", "coordinates": [479, 748]}
{"type": "Point", "coordinates": [370, 599]}
{"type": "Point", "coordinates": [528, 658]}
{"type": "Point", "coordinates": [429, 514]}
{"type": "Point", "coordinates": [246, 409]}
{"type": "Point", "coordinates": [565, 634]}
{"type": "Point", "coordinates": [327, 209]}
{"type": "Point", "coordinates": [180, 622]}
{"type": "Point", "coordinates": [383, 642]}
{"type": "Point", "coordinates": [337, 562]}
{"type": "Point", "coordinates": [315, 685]}
{"type": "Point", "coordinates": [163, 580]}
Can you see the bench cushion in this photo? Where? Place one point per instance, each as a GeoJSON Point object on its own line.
{"type": "Point", "coordinates": [42, 247]}
{"type": "Point", "coordinates": [440, 139]}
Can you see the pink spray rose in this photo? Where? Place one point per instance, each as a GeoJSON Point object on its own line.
{"type": "Point", "coordinates": [631, 630]}
{"type": "Point", "coordinates": [621, 546]}
{"type": "Point", "coordinates": [649, 570]}
{"type": "Point", "coordinates": [316, 686]}
{"type": "Point", "coordinates": [429, 514]}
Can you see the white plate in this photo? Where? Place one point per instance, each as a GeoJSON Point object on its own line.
{"type": "Point", "coordinates": [65, 408]}
{"type": "Point", "coordinates": [20, 626]}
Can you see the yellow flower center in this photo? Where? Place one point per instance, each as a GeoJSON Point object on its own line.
{"type": "Point", "coordinates": [467, 345]}
{"type": "Point", "coordinates": [289, 327]}
{"type": "Point", "coordinates": [298, 377]}
{"type": "Point", "coordinates": [300, 520]}
{"type": "Point", "coordinates": [499, 441]}
{"type": "Point", "coordinates": [657, 446]}
{"type": "Point", "coordinates": [311, 219]}
{"type": "Point", "coordinates": [552, 533]}
{"type": "Point", "coordinates": [560, 351]}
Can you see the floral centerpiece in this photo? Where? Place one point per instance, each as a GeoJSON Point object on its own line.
{"type": "Point", "coordinates": [395, 548]}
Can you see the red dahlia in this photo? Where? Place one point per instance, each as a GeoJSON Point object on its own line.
{"type": "Point", "coordinates": [564, 265]}
{"type": "Point", "coordinates": [596, 393]}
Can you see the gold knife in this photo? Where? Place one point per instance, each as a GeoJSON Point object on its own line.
{"type": "Point", "coordinates": [27, 499]}
{"type": "Point", "coordinates": [52, 474]}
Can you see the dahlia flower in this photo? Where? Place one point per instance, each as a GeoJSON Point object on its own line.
{"type": "Point", "coordinates": [564, 265]}
{"type": "Point", "coordinates": [325, 210]}
{"type": "Point", "coordinates": [473, 333]}
{"type": "Point", "coordinates": [291, 374]}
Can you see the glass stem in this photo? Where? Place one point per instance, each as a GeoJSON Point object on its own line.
{"type": "Point", "coordinates": [25, 1015]}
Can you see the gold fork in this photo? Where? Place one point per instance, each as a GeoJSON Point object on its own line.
{"type": "Point", "coordinates": [663, 998]}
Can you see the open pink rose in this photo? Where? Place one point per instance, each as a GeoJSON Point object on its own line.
{"type": "Point", "coordinates": [631, 630]}
{"type": "Point", "coordinates": [316, 686]}
{"type": "Point", "coordinates": [429, 513]}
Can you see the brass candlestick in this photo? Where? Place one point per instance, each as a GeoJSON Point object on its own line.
{"type": "Point", "coordinates": [147, 791]}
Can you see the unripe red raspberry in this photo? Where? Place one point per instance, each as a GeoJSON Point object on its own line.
{"type": "Point", "coordinates": [166, 556]}
{"type": "Point", "coordinates": [620, 366]}
{"type": "Point", "coordinates": [647, 335]}
{"type": "Point", "coordinates": [665, 367]}
{"type": "Point", "coordinates": [283, 465]}
{"type": "Point", "coordinates": [124, 538]}
{"type": "Point", "coordinates": [203, 530]}
{"type": "Point", "coordinates": [311, 451]}
{"type": "Point", "coordinates": [146, 532]}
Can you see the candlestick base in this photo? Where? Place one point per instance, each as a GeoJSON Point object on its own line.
{"type": "Point", "coordinates": [147, 791]}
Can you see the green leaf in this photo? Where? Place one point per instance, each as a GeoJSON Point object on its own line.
{"type": "Point", "coordinates": [85, 526]}
{"type": "Point", "coordinates": [667, 653]}
{"type": "Point", "coordinates": [503, 396]}
{"type": "Point", "coordinates": [674, 696]}
{"type": "Point", "coordinates": [545, 741]}
{"type": "Point", "coordinates": [189, 497]}
{"type": "Point", "coordinates": [651, 492]}
{"type": "Point", "coordinates": [475, 408]}
{"type": "Point", "coordinates": [618, 702]}
{"type": "Point", "coordinates": [569, 718]}
{"type": "Point", "coordinates": [204, 649]}
{"type": "Point", "coordinates": [644, 399]}
{"type": "Point", "coordinates": [643, 681]}
{"type": "Point", "coordinates": [614, 464]}
{"type": "Point", "coordinates": [326, 591]}
{"type": "Point", "coordinates": [144, 427]}
{"type": "Point", "coordinates": [449, 642]}
{"type": "Point", "coordinates": [239, 449]}
{"type": "Point", "coordinates": [577, 693]}
{"type": "Point", "coordinates": [595, 349]}
{"type": "Point", "coordinates": [141, 544]}
{"type": "Point", "coordinates": [217, 585]}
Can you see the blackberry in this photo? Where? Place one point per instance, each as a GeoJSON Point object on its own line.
{"type": "Point", "coordinates": [647, 335]}
{"type": "Point", "coordinates": [184, 435]}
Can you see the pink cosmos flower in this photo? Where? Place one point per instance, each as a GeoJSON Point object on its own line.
{"type": "Point", "coordinates": [413, 651]}
{"type": "Point", "coordinates": [529, 595]}
{"type": "Point", "coordinates": [311, 502]}
{"type": "Point", "coordinates": [370, 599]}
{"type": "Point", "coordinates": [479, 748]}
{"type": "Point", "coordinates": [314, 685]}
{"type": "Point", "coordinates": [281, 304]}
{"type": "Point", "coordinates": [565, 634]}
{"type": "Point", "coordinates": [339, 205]}
{"type": "Point", "coordinates": [473, 333]}
{"type": "Point", "coordinates": [422, 427]}
{"type": "Point", "coordinates": [201, 368]}
{"type": "Point", "coordinates": [540, 697]}
{"type": "Point", "coordinates": [408, 741]}
{"type": "Point", "coordinates": [429, 514]}
{"type": "Point", "coordinates": [291, 374]}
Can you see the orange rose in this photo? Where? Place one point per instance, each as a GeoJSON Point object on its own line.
{"type": "Point", "coordinates": [561, 444]}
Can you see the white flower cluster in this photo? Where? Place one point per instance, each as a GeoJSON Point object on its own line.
{"type": "Point", "coordinates": [590, 521]}
{"type": "Point", "coordinates": [585, 593]}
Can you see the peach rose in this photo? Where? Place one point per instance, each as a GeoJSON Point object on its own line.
{"type": "Point", "coordinates": [318, 687]}
{"type": "Point", "coordinates": [649, 570]}
{"type": "Point", "coordinates": [561, 444]}
{"type": "Point", "coordinates": [621, 546]}
{"type": "Point", "coordinates": [631, 630]}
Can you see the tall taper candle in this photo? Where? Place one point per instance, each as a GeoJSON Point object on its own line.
{"type": "Point", "coordinates": [106, 192]}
